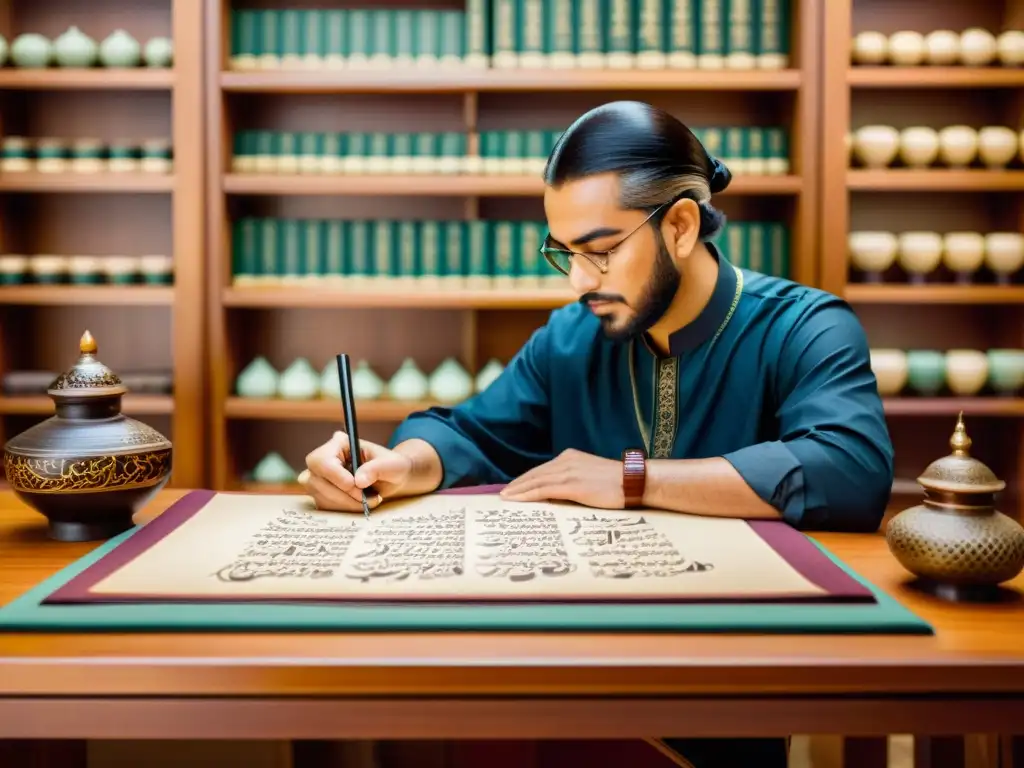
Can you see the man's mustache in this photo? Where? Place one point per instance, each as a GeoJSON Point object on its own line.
{"type": "Point", "coordinates": [586, 298]}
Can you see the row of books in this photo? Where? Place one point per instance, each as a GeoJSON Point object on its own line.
{"type": "Point", "coordinates": [749, 150]}
{"type": "Point", "coordinates": [475, 253]}
{"type": "Point", "coordinates": [508, 34]}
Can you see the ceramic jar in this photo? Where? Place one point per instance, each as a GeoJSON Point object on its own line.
{"type": "Point", "coordinates": [120, 50]}
{"type": "Point", "coordinates": [366, 384]}
{"type": "Point", "coordinates": [408, 382]}
{"type": "Point", "coordinates": [978, 47]}
{"type": "Point", "coordinates": [74, 48]}
{"type": "Point", "coordinates": [876, 145]}
{"type": "Point", "coordinates": [997, 145]}
{"type": "Point", "coordinates": [159, 52]}
{"type": "Point", "coordinates": [272, 469]}
{"type": "Point", "coordinates": [13, 269]}
{"type": "Point", "coordinates": [121, 270]}
{"type": "Point", "coordinates": [942, 47]}
{"type": "Point", "coordinates": [872, 252]}
{"type": "Point", "coordinates": [87, 156]}
{"type": "Point", "coordinates": [890, 369]}
{"type": "Point", "coordinates": [15, 154]}
{"type": "Point", "coordinates": [48, 268]}
{"type": "Point", "coordinates": [157, 269]}
{"type": "Point", "coordinates": [51, 155]}
{"type": "Point", "coordinates": [1010, 48]}
{"type": "Point", "coordinates": [1006, 371]}
{"type": "Point", "coordinates": [963, 253]}
{"type": "Point", "coordinates": [920, 253]}
{"type": "Point", "coordinates": [869, 48]}
{"type": "Point", "coordinates": [156, 156]}
{"type": "Point", "coordinates": [1004, 254]}
{"type": "Point", "coordinates": [958, 145]}
{"type": "Point", "coordinates": [919, 146]}
{"type": "Point", "coordinates": [926, 371]}
{"type": "Point", "coordinates": [299, 381]}
{"type": "Point", "coordinates": [966, 371]}
{"type": "Point", "coordinates": [85, 270]}
{"type": "Point", "coordinates": [488, 374]}
{"type": "Point", "coordinates": [31, 51]}
{"type": "Point", "coordinates": [450, 382]}
{"type": "Point", "coordinates": [906, 48]}
{"type": "Point", "coordinates": [257, 380]}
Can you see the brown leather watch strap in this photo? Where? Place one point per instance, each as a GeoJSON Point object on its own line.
{"type": "Point", "coordinates": [634, 476]}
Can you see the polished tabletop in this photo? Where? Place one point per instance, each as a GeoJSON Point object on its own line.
{"type": "Point", "coordinates": [977, 649]}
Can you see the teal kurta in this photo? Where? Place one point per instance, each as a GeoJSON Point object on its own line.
{"type": "Point", "coordinates": [773, 376]}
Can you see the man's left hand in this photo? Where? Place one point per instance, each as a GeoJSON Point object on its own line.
{"type": "Point", "coordinates": [571, 476]}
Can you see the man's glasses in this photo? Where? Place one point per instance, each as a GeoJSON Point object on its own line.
{"type": "Point", "coordinates": [561, 258]}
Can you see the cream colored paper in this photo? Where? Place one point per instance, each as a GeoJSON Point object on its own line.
{"type": "Point", "coordinates": [444, 547]}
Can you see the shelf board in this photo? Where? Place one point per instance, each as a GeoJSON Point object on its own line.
{"type": "Point", "coordinates": [951, 406]}
{"type": "Point", "coordinates": [873, 293]}
{"type": "Point", "coordinates": [131, 404]}
{"type": "Point", "coordinates": [326, 409]}
{"type": "Point", "coordinates": [86, 182]}
{"type": "Point", "coordinates": [455, 184]}
{"type": "Point", "coordinates": [938, 180]}
{"type": "Point", "coordinates": [87, 79]}
{"type": "Point", "coordinates": [404, 296]}
{"type": "Point", "coordinates": [420, 79]}
{"type": "Point", "coordinates": [87, 295]}
{"type": "Point", "coordinates": [935, 77]}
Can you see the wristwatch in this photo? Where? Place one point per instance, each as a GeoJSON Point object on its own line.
{"type": "Point", "coordinates": [634, 476]}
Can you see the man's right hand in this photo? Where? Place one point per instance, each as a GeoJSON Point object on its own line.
{"type": "Point", "coordinates": [332, 486]}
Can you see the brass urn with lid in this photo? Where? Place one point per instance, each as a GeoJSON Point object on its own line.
{"type": "Point", "coordinates": [88, 468]}
{"type": "Point", "coordinates": [956, 542]}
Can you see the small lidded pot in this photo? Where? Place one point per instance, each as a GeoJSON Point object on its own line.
{"type": "Point", "coordinates": [156, 156]}
{"type": "Point", "coordinates": [51, 156]}
{"type": "Point", "coordinates": [15, 154]}
{"type": "Point", "coordinates": [956, 542]}
{"type": "Point", "coordinates": [88, 468]}
{"type": "Point", "coordinates": [122, 157]}
{"type": "Point", "coordinates": [87, 156]}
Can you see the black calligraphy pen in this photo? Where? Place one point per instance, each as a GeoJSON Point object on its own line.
{"type": "Point", "coordinates": [349, 404]}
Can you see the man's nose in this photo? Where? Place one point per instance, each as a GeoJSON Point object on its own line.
{"type": "Point", "coordinates": [584, 277]}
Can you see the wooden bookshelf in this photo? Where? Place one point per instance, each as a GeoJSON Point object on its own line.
{"type": "Point", "coordinates": [384, 324]}
{"type": "Point", "coordinates": [106, 212]}
{"type": "Point", "coordinates": [940, 311]}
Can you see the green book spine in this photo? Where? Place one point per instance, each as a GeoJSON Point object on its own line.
{"type": "Point", "coordinates": [531, 235]}
{"type": "Point", "coordinates": [335, 261]}
{"type": "Point", "coordinates": [740, 44]}
{"type": "Point", "coordinates": [506, 22]}
{"type": "Point", "coordinates": [335, 38]}
{"type": "Point", "coordinates": [360, 38]}
{"type": "Point", "coordinates": [332, 153]}
{"type": "Point", "coordinates": [405, 38]}
{"type": "Point", "coordinates": [451, 52]}
{"type": "Point", "coordinates": [246, 251]}
{"type": "Point", "coordinates": [290, 51]}
{"type": "Point", "coordinates": [359, 251]}
{"type": "Point", "coordinates": [424, 153]}
{"type": "Point", "coordinates": [384, 265]}
{"type": "Point", "coordinates": [682, 31]}
{"type": "Point", "coordinates": [407, 251]}
{"type": "Point", "coordinates": [430, 250]}
{"type": "Point", "coordinates": [714, 141]}
{"type": "Point", "coordinates": [452, 152]}
{"type": "Point", "coordinates": [535, 152]}
{"type": "Point", "coordinates": [401, 159]}
{"type": "Point", "coordinates": [757, 246]}
{"type": "Point", "coordinates": [428, 38]}
{"type": "Point", "coordinates": [311, 147]}
{"type": "Point", "coordinates": [735, 153]}
{"type": "Point", "coordinates": [503, 248]}
{"type": "Point", "coordinates": [287, 153]}
{"type": "Point", "coordinates": [246, 35]}
{"type": "Point", "coordinates": [651, 43]}
{"type": "Point", "coordinates": [621, 34]}
{"type": "Point", "coordinates": [736, 235]}
{"type": "Point", "coordinates": [312, 50]}
{"type": "Point", "coordinates": [269, 269]}
{"type": "Point", "coordinates": [454, 265]}
{"type": "Point", "coordinates": [590, 44]}
{"type": "Point", "coordinates": [756, 153]}
{"type": "Point", "coordinates": [712, 25]}
{"type": "Point", "coordinates": [477, 28]}
{"type": "Point", "coordinates": [357, 147]}
{"type": "Point", "coordinates": [778, 250]}
{"type": "Point", "coordinates": [378, 158]}
{"type": "Point", "coordinates": [772, 33]}
{"type": "Point", "coordinates": [776, 147]}
{"type": "Point", "coordinates": [291, 250]}
{"type": "Point", "coordinates": [492, 150]}
{"type": "Point", "coordinates": [243, 156]}
{"type": "Point", "coordinates": [531, 35]}
{"type": "Point", "coordinates": [514, 160]}
{"type": "Point", "coordinates": [559, 34]}
{"type": "Point", "coordinates": [270, 36]}
{"type": "Point", "coordinates": [312, 267]}
{"type": "Point", "coordinates": [478, 254]}
{"type": "Point", "coordinates": [382, 45]}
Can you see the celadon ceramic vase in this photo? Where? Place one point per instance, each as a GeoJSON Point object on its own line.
{"type": "Point", "coordinates": [273, 469]}
{"type": "Point", "coordinates": [299, 381]}
{"type": "Point", "coordinates": [74, 48]}
{"type": "Point", "coordinates": [487, 375]}
{"type": "Point", "coordinates": [31, 51]}
{"type": "Point", "coordinates": [120, 50]}
{"type": "Point", "coordinates": [366, 384]}
{"type": "Point", "coordinates": [408, 382]}
{"type": "Point", "coordinates": [159, 52]}
{"type": "Point", "coordinates": [450, 382]}
{"type": "Point", "coordinates": [257, 380]}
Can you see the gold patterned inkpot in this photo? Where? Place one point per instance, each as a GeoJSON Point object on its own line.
{"type": "Point", "coordinates": [88, 468]}
{"type": "Point", "coordinates": [956, 542]}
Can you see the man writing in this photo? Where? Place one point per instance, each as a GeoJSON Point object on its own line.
{"type": "Point", "coordinates": [677, 382]}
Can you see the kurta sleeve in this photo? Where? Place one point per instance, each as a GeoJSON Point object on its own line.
{"type": "Point", "coordinates": [498, 434]}
{"type": "Point", "coordinates": [832, 465]}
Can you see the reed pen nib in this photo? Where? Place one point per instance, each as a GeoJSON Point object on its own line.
{"type": "Point", "coordinates": [366, 507]}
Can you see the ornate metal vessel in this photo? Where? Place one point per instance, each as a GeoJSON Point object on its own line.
{"type": "Point", "coordinates": [956, 541]}
{"type": "Point", "coordinates": [88, 468]}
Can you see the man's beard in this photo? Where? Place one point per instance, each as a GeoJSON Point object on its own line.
{"type": "Point", "coordinates": [655, 300]}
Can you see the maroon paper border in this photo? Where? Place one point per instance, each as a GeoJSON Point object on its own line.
{"type": "Point", "coordinates": [791, 545]}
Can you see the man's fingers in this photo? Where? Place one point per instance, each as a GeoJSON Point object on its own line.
{"type": "Point", "coordinates": [328, 497]}
{"type": "Point", "coordinates": [383, 468]}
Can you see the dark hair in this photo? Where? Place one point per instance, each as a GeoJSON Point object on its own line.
{"type": "Point", "coordinates": [657, 158]}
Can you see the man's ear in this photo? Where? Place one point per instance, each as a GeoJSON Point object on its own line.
{"type": "Point", "coordinates": [681, 228]}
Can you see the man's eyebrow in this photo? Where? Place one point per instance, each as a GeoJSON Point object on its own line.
{"type": "Point", "coordinates": [595, 234]}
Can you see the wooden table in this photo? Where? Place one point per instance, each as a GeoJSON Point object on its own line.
{"type": "Point", "coordinates": [967, 678]}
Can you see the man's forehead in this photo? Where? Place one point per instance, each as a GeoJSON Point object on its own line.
{"type": "Point", "coordinates": [583, 205]}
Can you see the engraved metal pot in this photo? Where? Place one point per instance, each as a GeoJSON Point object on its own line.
{"type": "Point", "coordinates": [88, 468]}
{"type": "Point", "coordinates": [956, 541]}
